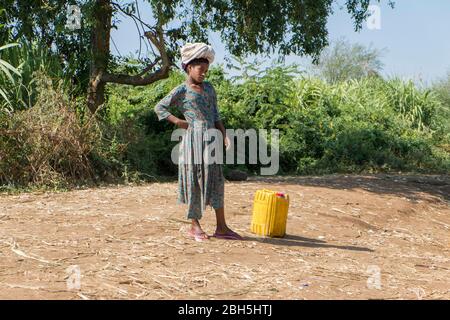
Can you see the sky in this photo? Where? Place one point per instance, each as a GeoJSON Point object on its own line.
{"type": "Point", "coordinates": [414, 37]}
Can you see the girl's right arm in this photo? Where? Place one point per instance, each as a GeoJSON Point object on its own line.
{"type": "Point", "coordinates": [174, 98]}
{"type": "Point", "coordinates": [177, 121]}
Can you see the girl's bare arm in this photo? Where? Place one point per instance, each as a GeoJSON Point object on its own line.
{"type": "Point", "coordinates": [177, 121]}
{"type": "Point", "coordinates": [219, 125]}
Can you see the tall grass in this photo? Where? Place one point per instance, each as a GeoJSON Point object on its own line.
{"type": "Point", "coordinates": [28, 58]}
{"type": "Point", "coordinates": [6, 69]}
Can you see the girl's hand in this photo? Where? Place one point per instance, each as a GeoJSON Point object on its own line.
{"type": "Point", "coordinates": [182, 124]}
{"type": "Point", "coordinates": [227, 142]}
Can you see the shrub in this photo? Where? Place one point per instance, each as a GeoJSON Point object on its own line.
{"type": "Point", "coordinates": [46, 144]}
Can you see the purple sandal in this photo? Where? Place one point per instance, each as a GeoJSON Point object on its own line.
{"type": "Point", "coordinates": [230, 235]}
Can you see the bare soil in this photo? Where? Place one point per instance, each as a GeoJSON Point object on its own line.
{"type": "Point", "coordinates": [348, 237]}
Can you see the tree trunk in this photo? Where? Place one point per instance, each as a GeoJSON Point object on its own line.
{"type": "Point", "coordinates": [99, 53]}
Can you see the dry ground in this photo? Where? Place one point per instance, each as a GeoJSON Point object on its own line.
{"type": "Point", "coordinates": [128, 242]}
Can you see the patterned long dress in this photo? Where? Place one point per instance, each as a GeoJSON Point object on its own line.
{"type": "Point", "coordinates": [199, 184]}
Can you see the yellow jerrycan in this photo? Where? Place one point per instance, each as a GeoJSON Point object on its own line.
{"type": "Point", "coordinates": [270, 209]}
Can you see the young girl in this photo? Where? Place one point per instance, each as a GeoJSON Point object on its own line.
{"type": "Point", "coordinates": [199, 184]}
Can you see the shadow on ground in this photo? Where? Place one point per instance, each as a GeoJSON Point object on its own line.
{"type": "Point", "coordinates": [293, 240]}
{"type": "Point", "coordinates": [407, 186]}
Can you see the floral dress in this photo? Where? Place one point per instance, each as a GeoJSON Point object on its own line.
{"type": "Point", "coordinates": [199, 184]}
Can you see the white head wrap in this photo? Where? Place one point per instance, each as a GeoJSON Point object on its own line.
{"type": "Point", "coordinates": [191, 51]}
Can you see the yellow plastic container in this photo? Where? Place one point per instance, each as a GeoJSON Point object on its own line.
{"type": "Point", "coordinates": [270, 210]}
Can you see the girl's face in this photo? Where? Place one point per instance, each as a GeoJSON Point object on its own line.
{"type": "Point", "coordinates": [197, 72]}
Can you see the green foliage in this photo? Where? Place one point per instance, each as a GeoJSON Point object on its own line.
{"type": "Point", "coordinates": [256, 26]}
{"type": "Point", "coordinates": [366, 125]}
{"type": "Point", "coordinates": [45, 21]}
{"type": "Point", "coordinates": [252, 26]}
{"type": "Point", "coordinates": [6, 78]}
{"type": "Point", "coordinates": [441, 121]}
{"type": "Point", "coordinates": [29, 58]}
{"type": "Point", "coordinates": [357, 125]}
{"type": "Point", "coordinates": [132, 121]}
{"type": "Point", "coordinates": [46, 144]}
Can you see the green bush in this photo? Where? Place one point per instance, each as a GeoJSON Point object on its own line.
{"type": "Point", "coordinates": [366, 125]}
{"type": "Point", "coordinates": [369, 124]}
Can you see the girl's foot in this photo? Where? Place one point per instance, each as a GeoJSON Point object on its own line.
{"type": "Point", "coordinates": [227, 234]}
{"type": "Point", "coordinates": [197, 233]}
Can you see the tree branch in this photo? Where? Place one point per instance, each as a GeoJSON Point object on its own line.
{"type": "Point", "coordinates": [150, 67]}
{"type": "Point", "coordinates": [156, 37]}
{"type": "Point", "coordinates": [130, 15]}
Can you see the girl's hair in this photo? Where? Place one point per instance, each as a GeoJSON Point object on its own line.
{"type": "Point", "coordinates": [194, 62]}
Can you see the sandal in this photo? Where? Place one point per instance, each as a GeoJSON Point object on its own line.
{"type": "Point", "coordinates": [230, 235]}
{"type": "Point", "coordinates": [199, 237]}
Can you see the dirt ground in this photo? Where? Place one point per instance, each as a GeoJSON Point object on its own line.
{"type": "Point", "coordinates": [348, 237]}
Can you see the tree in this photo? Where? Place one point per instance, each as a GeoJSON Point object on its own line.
{"type": "Point", "coordinates": [46, 20]}
{"type": "Point", "coordinates": [251, 26]}
{"type": "Point", "coordinates": [344, 61]}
